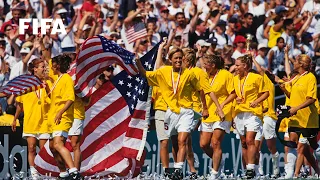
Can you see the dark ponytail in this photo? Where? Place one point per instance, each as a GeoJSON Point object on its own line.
{"type": "Point", "coordinates": [63, 61]}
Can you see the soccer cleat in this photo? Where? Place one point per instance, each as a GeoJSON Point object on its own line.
{"type": "Point", "coordinates": [193, 175]}
{"type": "Point", "coordinates": [75, 176]}
{"type": "Point", "coordinates": [177, 174]}
{"type": "Point", "coordinates": [166, 174]}
{"type": "Point", "coordinates": [250, 174]}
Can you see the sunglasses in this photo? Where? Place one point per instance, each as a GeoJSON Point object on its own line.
{"type": "Point", "coordinates": [144, 42]}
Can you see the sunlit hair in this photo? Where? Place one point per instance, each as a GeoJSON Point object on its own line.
{"type": "Point", "coordinates": [246, 59]}
{"type": "Point", "coordinates": [34, 64]}
{"type": "Point", "coordinates": [227, 49]}
{"type": "Point", "coordinates": [215, 59]}
{"type": "Point", "coordinates": [173, 51]}
{"type": "Point", "coordinates": [305, 60]}
{"type": "Point", "coordinates": [190, 55]}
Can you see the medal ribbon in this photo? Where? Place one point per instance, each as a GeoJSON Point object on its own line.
{"type": "Point", "coordinates": [298, 77]}
{"type": "Point", "coordinates": [214, 78]}
{"type": "Point", "coordinates": [39, 96]}
{"type": "Point", "coordinates": [175, 86]}
{"type": "Point", "coordinates": [241, 88]}
{"type": "Point", "coordinates": [55, 84]}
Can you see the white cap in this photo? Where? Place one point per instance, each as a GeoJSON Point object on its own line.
{"type": "Point", "coordinates": [296, 52]}
{"type": "Point", "coordinates": [85, 27]}
{"type": "Point", "coordinates": [120, 41]}
{"type": "Point", "coordinates": [61, 11]}
{"type": "Point", "coordinates": [25, 50]}
{"type": "Point", "coordinates": [32, 58]}
{"type": "Point", "coordinates": [261, 45]}
{"type": "Point", "coordinates": [202, 42]}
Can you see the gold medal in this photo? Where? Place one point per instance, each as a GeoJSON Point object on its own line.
{"type": "Point", "coordinates": [38, 96]}
{"type": "Point", "coordinates": [241, 88]}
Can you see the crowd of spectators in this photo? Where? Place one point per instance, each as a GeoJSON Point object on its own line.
{"type": "Point", "coordinates": [209, 26]}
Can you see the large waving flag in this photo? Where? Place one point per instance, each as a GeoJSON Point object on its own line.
{"type": "Point", "coordinates": [21, 85]}
{"type": "Point", "coordinates": [115, 128]}
{"type": "Point", "coordinates": [96, 54]}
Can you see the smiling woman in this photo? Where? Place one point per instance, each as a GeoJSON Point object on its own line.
{"type": "Point", "coordinates": [177, 85]}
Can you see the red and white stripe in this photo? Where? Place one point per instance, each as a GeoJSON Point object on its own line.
{"type": "Point", "coordinates": [104, 139]}
{"type": "Point", "coordinates": [133, 35]}
{"type": "Point", "coordinates": [91, 62]}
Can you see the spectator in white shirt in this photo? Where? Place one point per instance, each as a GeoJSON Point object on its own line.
{"type": "Point", "coordinates": [276, 57]}
{"type": "Point", "coordinates": [262, 58]}
{"type": "Point", "coordinates": [239, 42]}
{"type": "Point", "coordinates": [288, 27]}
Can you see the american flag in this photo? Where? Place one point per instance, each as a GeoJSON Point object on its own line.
{"type": "Point", "coordinates": [96, 54]}
{"type": "Point", "coordinates": [22, 85]}
{"type": "Point", "coordinates": [20, 6]}
{"type": "Point", "coordinates": [115, 128]}
{"type": "Point", "coordinates": [137, 31]}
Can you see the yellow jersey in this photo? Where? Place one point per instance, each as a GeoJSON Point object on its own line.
{"type": "Point", "coordinates": [222, 86]}
{"type": "Point", "coordinates": [249, 88]}
{"type": "Point", "coordinates": [185, 83]}
{"type": "Point", "coordinates": [273, 36]}
{"type": "Point", "coordinates": [79, 109]}
{"type": "Point", "coordinates": [62, 91]}
{"type": "Point", "coordinates": [284, 123]}
{"type": "Point", "coordinates": [35, 107]}
{"type": "Point", "coordinates": [158, 102]}
{"type": "Point", "coordinates": [6, 120]}
{"type": "Point", "coordinates": [269, 102]}
{"type": "Point", "coordinates": [301, 88]}
{"type": "Point", "coordinates": [205, 86]}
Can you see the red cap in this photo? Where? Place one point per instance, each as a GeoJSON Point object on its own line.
{"type": "Point", "coordinates": [239, 39]}
{"type": "Point", "coordinates": [164, 8]}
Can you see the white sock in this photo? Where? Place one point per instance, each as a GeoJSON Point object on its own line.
{"type": "Point", "coordinates": [33, 170]}
{"type": "Point", "coordinates": [214, 172]}
{"type": "Point", "coordinates": [250, 166]}
{"type": "Point", "coordinates": [178, 165]}
{"type": "Point", "coordinates": [73, 170]}
{"type": "Point", "coordinates": [275, 162]}
{"type": "Point", "coordinates": [256, 170]}
{"type": "Point", "coordinates": [291, 158]}
{"type": "Point", "coordinates": [286, 167]}
{"type": "Point", "coordinates": [64, 174]}
{"type": "Point", "coordinates": [306, 168]}
{"type": "Point", "coordinates": [261, 163]}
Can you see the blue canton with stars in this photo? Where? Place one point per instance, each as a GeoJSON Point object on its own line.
{"type": "Point", "coordinates": [110, 46]}
{"type": "Point", "coordinates": [134, 88]}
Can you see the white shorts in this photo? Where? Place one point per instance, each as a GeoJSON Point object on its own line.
{"type": "Point", "coordinates": [38, 136]}
{"type": "Point", "coordinates": [210, 127]}
{"type": "Point", "coordinates": [178, 122]}
{"type": "Point", "coordinates": [247, 122]}
{"type": "Point", "coordinates": [259, 136]}
{"type": "Point", "coordinates": [194, 124]}
{"type": "Point", "coordinates": [60, 134]}
{"type": "Point", "coordinates": [76, 128]}
{"type": "Point", "coordinates": [269, 128]}
{"type": "Point", "coordinates": [160, 128]}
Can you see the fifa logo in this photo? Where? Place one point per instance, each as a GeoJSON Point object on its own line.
{"type": "Point", "coordinates": [45, 24]}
